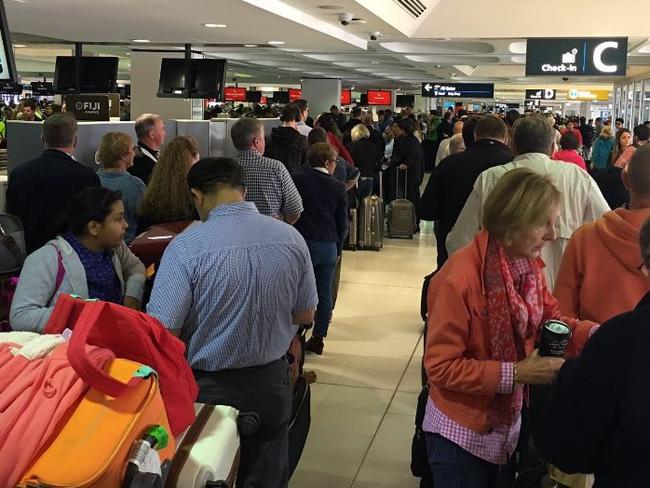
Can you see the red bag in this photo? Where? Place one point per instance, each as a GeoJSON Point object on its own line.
{"type": "Point", "coordinates": [151, 244]}
{"type": "Point", "coordinates": [129, 335]}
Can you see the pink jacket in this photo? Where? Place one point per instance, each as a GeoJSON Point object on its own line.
{"type": "Point", "coordinates": [35, 396]}
{"type": "Point", "coordinates": [570, 156]}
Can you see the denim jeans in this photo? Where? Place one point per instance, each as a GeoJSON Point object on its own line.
{"type": "Point", "coordinates": [454, 467]}
{"type": "Point", "coordinates": [323, 258]}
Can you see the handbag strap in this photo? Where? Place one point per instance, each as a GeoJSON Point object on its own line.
{"type": "Point", "coordinates": [94, 376]}
{"type": "Point", "coordinates": [60, 270]}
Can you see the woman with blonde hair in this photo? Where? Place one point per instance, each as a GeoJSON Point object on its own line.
{"type": "Point", "coordinates": [168, 199]}
{"type": "Point", "coordinates": [115, 154]}
{"type": "Point", "coordinates": [602, 150]}
{"type": "Point", "coordinates": [491, 300]}
{"type": "Point", "coordinates": [364, 152]}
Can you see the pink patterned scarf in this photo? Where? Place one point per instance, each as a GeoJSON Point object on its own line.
{"type": "Point", "coordinates": [514, 310]}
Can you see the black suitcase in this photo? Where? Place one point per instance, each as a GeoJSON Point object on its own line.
{"type": "Point", "coordinates": [299, 423]}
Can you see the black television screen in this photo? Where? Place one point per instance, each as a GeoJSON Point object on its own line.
{"type": "Point", "coordinates": [253, 96]}
{"type": "Point", "coordinates": [281, 97]}
{"type": "Point", "coordinates": [7, 62]}
{"type": "Point", "coordinates": [405, 100]}
{"type": "Point", "coordinates": [206, 78]}
{"type": "Point", "coordinates": [98, 74]}
{"type": "Point", "coordinates": [364, 99]}
{"type": "Point", "coordinates": [172, 78]}
{"type": "Point", "coordinates": [42, 88]}
{"type": "Point", "coordinates": [8, 87]}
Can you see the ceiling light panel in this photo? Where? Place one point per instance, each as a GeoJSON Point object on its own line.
{"type": "Point", "coordinates": [439, 47]}
{"type": "Point", "coordinates": [438, 59]}
{"type": "Point", "coordinates": [518, 47]}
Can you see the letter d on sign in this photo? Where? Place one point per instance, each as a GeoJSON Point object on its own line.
{"type": "Point", "coordinates": [598, 57]}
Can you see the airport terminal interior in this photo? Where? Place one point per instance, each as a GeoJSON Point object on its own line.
{"type": "Point", "coordinates": [324, 244]}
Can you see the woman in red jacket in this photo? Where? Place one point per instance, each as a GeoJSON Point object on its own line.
{"type": "Point", "coordinates": [326, 121]}
{"type": "Point", "coordinates": [488, 303]}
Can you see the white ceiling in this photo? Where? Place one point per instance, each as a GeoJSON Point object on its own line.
{"type": "Point", "coordinates": [316, 44]}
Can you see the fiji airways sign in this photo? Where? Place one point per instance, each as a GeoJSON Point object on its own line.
{"type": "Point", "coordinates": [577, 57]}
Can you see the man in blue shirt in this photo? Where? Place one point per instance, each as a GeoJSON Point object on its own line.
{"type": "Point", "coordinates": [233, 289]}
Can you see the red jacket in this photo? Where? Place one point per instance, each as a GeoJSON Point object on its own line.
{"type": "Point", "coordinates": [570, 156]}
{"type": "Point", "coordinates": [343, 152]}
{"type": "Point", "coordinates": [462, 379]}
{"type": "Point", "coordinates": [576, 133]}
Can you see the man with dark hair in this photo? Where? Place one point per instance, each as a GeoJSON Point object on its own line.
{"type": "Point", "coordinates": [582, 201]}
{"type": "Point", "coordinates": [301, 121]}
{"type": "Point", "coordinates": [452, 182]}
{"type": "Point", "coordinates": [40, 191]}
{"type": "Point", "coordinates": [268, 181]}
{"type": "Point", "coordinates": [29, 110]}
{"type": "Point", "coordinates": [599, 127]}
{"type": "Point", "coordinates": [234, 289]}
{"type": "Point", "coordinates": [355, 118]}
{"type": "Point", "coordinates": [150, 129]}
{"type": "Point", "coordinates": [406, 164]}
{"type": "Point", "coordinates": [569, 151]}
{"type": "Point", "coordinates": [593, 419]}
{"type": "Point", "coordinates": [339, 117]}
{"type": "Point", "coordinates": [619, 123]}
{"type": "Point", "coordinates": [285, 143]}
{"type": "Point", "coordinates": [641, 135]}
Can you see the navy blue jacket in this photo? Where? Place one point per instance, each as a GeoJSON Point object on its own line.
{"type": "Point", "coordinates": [325, 202]}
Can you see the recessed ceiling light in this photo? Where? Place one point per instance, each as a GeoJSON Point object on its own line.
{"type": "Point", "coordinates": [19, 45]}
{"type": "Point", "coordinates": [250, 45]}
{"type": "Point", "coordinates": [276, 43]}
{"type": "Point", "coordinates": [359, 20]}
{"type": "Point", "coordinates": [215, 26]}
{"type": "Point", "coordinates": [20, 1]}
{"type": "Point", "coordinates": [141, 41]}
{"type": "Point", "coordinates": [374, 62]}
{"type": "Point", "coordinates": [330, 7]}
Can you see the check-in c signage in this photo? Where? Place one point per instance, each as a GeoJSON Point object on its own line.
{"type": "Point", "coordinates": [576, 57]}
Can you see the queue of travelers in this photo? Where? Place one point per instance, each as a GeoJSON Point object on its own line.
{"type": "Point", "coordinates": [522, 236]}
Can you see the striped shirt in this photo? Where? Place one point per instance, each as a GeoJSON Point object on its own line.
{"type": "Point", "coordinates": [231, 284]}
{"type": "Point", "coordinates": [269, 185]}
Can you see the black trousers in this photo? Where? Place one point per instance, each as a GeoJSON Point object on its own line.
{"type": "Point", "coordinates": [266, 390]}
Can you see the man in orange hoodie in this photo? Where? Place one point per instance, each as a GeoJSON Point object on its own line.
{"type": "Point", "coordinates": [600, 276]}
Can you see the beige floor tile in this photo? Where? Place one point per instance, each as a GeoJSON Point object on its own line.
{"type": "Point", "coordinates": [404, 403]}
{"type": "Point", "coordinates": [387, 463]}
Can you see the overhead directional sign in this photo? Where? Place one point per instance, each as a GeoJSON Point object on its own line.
{"type": "Point", "coordinates": [577, 57]}
{"type": "Point", "coordinates": [458, 90]}
{"type": "Point", "coordinates": [540, 94]}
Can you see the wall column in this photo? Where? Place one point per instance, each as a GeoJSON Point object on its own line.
{"type": "Point", "coordinates": [321, 93]}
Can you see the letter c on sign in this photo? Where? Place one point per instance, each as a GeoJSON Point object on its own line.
{"type": "Point", "coordinates": [598, 57]}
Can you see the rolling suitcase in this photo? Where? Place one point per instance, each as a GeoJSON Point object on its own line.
{"type": "Point", "coordinates": [371, 221]}
{"type": "Point", "coordinates": [208, 451]}
{"type": "Point", "coordinates": [401, 213]}
{"type": "Point", "coordinates": [300, 422]}
{"type": "Point", "coordinates": [350, 243]}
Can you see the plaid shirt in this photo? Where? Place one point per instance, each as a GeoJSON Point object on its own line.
{"type": "Point", "coordinates": [495, 446]}
{"type": "Point", "coordinates": [269, 185]}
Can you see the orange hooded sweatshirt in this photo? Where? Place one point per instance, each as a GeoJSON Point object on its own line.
{"type": "Point", "coordinates": [600, 276]}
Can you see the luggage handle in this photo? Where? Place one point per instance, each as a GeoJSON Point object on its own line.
{"type": "Point", "coordinates": [406, 179]}
{"type": "Point", "coordinates": [93, 376]}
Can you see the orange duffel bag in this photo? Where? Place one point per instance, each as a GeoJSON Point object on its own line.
{"type": "Point", "coordinates": [94, 446]}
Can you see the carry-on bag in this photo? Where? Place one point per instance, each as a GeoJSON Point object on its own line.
{"type": "Point", "coordinates": [401, 213]}
{"type": "Point", "coordinates": [108, 439]}
{"type": "Point", "coordinates": [350, 243]}
{"type": "Point", "coordinates": [300, 421]}
{"type": "Point", "coordinates": [371, 220]}
{"type": "Point", "coordinates": [129, 335]}
{"type": "Point", "coordinates": [208, 451]}
{"type": "Point", "coordinates": [150, 245]}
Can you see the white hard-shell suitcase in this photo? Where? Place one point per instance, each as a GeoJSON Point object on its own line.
{"type": "Point", "coordinates": [208, 451]}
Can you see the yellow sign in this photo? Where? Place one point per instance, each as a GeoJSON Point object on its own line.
{"type": "Point", "coordinates": [588, 95]}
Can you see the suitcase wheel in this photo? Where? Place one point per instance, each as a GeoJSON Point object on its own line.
{"type": "Point", "coordinates": [217, 484]}
{"type": "Point", "coordinates": [248, 423]}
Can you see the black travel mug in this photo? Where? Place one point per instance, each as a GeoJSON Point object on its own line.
{"type": "Point", "coordinates": [555, 338]}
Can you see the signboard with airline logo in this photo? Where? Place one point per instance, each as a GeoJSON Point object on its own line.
{"type": "Point", "coordinates": [576, 57]}
{"type": "Point", "coordinates": [540, 94]}
{"type": "Point", "coordinates": [88, 107]}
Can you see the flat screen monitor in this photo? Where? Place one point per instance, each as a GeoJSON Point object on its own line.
{"type": "Point", "coordinates": [346, 97]}
{"type": "Point", "coordinates": [98, 74]}
{"type": "Point", "coordinates": [405, 100]}
{"type": "Point", "coordinates": [364, 100]}
{"type": "Point", "coordinates": [254, 96]}
{"type": "Point", "coordinates": [379, 97]}
{"type": "Point", "coordinates": [280, 97]}
{"type": "Point", "coordinates": [41, 88]}
{"type": "Point", "coordinates": [172, 78]}
{"type": "Point", "coordinates": [206, 78]}
{"type": "Point", "coordinates": [8, 87]}
{"type": "Point", "coordinates": [7, 62]}
{"type": "Point", "coordinates": [234, 94]}
{"type": "Point", "coordinates": [295, 94]}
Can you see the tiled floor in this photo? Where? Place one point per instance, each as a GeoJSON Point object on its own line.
{"type": "Point", "coordinates": [363, 404]}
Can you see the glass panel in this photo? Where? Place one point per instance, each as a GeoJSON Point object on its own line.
{"type": "Point", "coordinates": [617, 101]}
{"type": "Point", "coordinates": [646, 101]}
{"type": "Point", "coordinates": [629, 112]}
{"type": "Point", "coordinates": [638, 94]}
{"type": "Point", "coordinates": [622, 111]}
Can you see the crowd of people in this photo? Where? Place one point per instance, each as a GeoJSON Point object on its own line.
{"type": "Point", "coordinates": [524, 235]}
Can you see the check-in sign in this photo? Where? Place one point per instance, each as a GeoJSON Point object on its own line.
{"type": "Point", "coordinates": [540, 94]}
{"type": "Point", "coordinates": [576, 57]}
